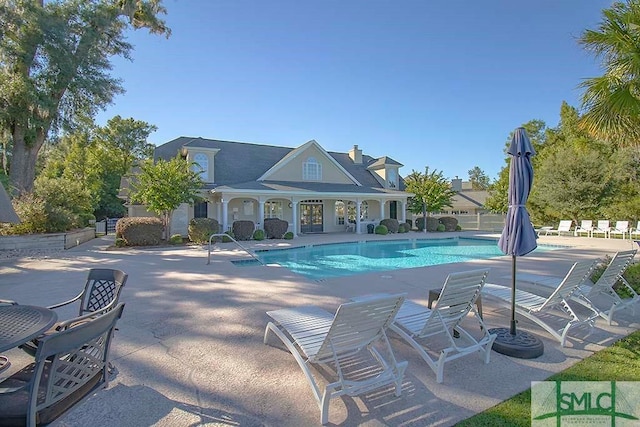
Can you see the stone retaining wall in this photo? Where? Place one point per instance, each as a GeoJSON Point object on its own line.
{"type": "Point", "coordinates": [54, 241]}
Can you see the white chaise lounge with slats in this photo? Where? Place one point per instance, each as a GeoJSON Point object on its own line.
{"type": "Point", "coordinates": [588, 291]}
{"type": "Point", "coordinates": [542, 310]}
{"type": "Point", "coordinates": [315, 336]}
{"type": "Point", "coordinates": [418, 325]}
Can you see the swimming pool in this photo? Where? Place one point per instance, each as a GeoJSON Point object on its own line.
{"type": "Point", "coordinates": [346, 259]}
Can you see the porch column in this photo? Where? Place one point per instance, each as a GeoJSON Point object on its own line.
{"type": "Point", "coordinates": [294, 217]}
{"type": "Point", "coordinates": [219, 212]}
{"type": "Point", "coordinates": [261, 213]}
{"type": "Point", "coordinates": [358, 231]}
{"type": "Point", "coordinates": [225, 214]}
{"type": "Point", "coordinates": [381, 202]}
{"type": "Point", "coordinates": [403, 209]}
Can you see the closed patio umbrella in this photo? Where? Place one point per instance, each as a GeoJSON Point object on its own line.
{"type": "Point", "coordinates": [518, 239]}
{"type": "Point", "coordinates": [7, 214]}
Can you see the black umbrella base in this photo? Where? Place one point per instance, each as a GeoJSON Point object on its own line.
{"type": "Point", "coordinates": [522, 345]}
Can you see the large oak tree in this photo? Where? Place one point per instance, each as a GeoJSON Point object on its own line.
{"type": "Point", "coordinates": [54, 67]}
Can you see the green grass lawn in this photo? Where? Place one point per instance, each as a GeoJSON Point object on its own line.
{"type": "Point", "coordinates": [620, 362]}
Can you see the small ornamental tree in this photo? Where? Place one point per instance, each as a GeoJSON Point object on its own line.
{"type": "Point", "coordinates": [432, 191]}
{"type": "Point", "coordinates": [162, 187]}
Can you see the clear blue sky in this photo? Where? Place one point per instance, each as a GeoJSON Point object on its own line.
{"type": "Point", "coordinates": [427, 83]}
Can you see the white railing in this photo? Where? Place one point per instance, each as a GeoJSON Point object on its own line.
{"type": "Point", "coordinates": [224, 235]}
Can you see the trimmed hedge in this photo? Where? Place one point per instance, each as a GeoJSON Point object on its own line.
{"type": "Point", "coordinates": [275, 228]}
{"type": "Point", "coordinates": [243, 229]}
{"type": "Point", "coordinates": [200, 229]}
{"type": "Point", "coordinates": [432, 223]}
{"type": "Point", "coordinates": [140, 231]}
{"type": "Point", "coordinates": [391, 224]}
{"type": "Point", "coordinates": [450, 223]}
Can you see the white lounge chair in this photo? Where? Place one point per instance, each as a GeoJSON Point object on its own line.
{"type": "Point", "coordinates": [587, 292]}
{"type": "Point", "coordinates": [603, 228]}
{"type": "Point", "coordinates": [622, 228]}
{"type": "Point", "coordinates": [563, 227]}
{"type": "Point", "coordinates": [586, 226]}
{"type": "Point", "coordinates": [417, 324]}
{"type": "Point", "coordinates": [315, 336]}
{"type": "Point", "coordinates": [541, 309]}
{"type": "Point", "coordinates": [635, 231]}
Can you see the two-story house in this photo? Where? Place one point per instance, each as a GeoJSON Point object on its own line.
{"type": "Point", "coordinates": [314, 190]}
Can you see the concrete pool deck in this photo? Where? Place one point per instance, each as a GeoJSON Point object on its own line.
{"type": "Point", "coordinates": [189, 347]}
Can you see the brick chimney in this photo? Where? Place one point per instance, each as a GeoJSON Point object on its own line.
{"type": "Point", "coordinates": [355, 155]}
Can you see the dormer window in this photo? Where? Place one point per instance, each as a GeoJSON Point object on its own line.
{"type": "Point", "coordinates": [392, 178]}
{"type": "Point", "coordinates": [201, 165]}
{"type": "Point", "coordinates": [311, 170]}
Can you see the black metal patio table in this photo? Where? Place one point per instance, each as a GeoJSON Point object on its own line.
{"type": "Point", "coordinates": [21, 323]}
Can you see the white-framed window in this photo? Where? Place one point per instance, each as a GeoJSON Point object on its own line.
{"type": "Point", "coordinates": [340, 212]}
{"type": "Point", "coordinates": [364, 211]}
{"type": "Point", "coordinates": [351, 212]}
{"type": "Point", "coordinates": [311, 170]}
{"type": "Point", "coordinates": [273, 209]}
{"type": "Point", "coordinates": [201, 165]}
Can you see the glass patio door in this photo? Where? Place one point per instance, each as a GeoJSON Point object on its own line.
{"type": "Point", "coordinates": [311, 218]}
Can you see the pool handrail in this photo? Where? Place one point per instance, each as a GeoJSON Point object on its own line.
{"type": "Point", "coordinates": [223, 235]}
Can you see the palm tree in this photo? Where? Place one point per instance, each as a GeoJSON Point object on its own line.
{"type": "Point", "coordinates": [612, 101]}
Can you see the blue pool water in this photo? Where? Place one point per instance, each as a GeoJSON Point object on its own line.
{"type": "Point", "coordinates": [346, 259]}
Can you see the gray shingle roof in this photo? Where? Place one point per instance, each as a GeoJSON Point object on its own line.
{"type": "Point", "coordinates": [240, 164]}
{"type": "Point", "coordinates": [382, 161]}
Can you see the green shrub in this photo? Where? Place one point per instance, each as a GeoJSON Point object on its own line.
{"type": "Point", "coordinates": [140, 231]}
{"type": "Point", "coordinates": [440, 228]}
{"type": "Point", "coordinates": [258, 235]}
{"type": "Point", "coordinates": [381, 229]}
{"type": "Point", "coordinates": [67, 202]}
{"type": "Point", "coordinates": [391, 224]}
{"type": "Point", "coordinates": [420, 223]}
{"type": "Point", "coordinates": [288, 235]}
{"type": "Point", "coordinates": [201, 229]}
{"type": "Point", "coordinates": [226, 239]}
{"type": "Point", "coordinates": [458, 228]}
{"type": "Point", "coordinates": [631, 275]}
{"type": "Point", "coordinates": [120, 242]}
{"type": "Point", "coordinates": [56, 205]}
{"type": "Point", "coordinates": [402, 228]}
{"type": "Point", "coordinates": [176, 239]}
{"type": "Point", "coordinates": [33, 216]}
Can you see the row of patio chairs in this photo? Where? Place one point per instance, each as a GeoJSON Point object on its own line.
{"type": "Point", "coordinates": [586, 227]}
{"type": "Point", "coordinates": [345, 343]}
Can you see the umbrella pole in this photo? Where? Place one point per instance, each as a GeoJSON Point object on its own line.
{"type": "Point", "coordinates": [513, 295]}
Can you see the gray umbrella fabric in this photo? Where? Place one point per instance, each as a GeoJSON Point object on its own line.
{"type": "Point", "coordinates": [518, 236]}
{"type": "Point", "coordinates": [7, 214]}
